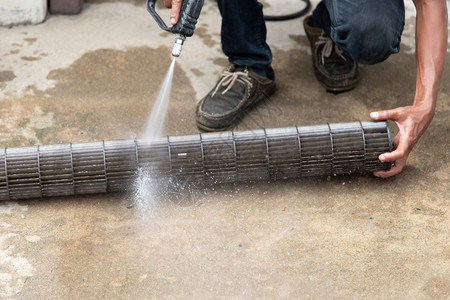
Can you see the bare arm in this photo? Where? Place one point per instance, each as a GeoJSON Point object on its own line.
{"type": "Point", "coordinates": [412, 121]}
{"type": "Point", "coordinates": [175, 12]}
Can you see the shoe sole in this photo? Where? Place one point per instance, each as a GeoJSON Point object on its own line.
{"type": "Point", "coordinates": [336, 90]}
{"type": "Point", "coordinates": [212, 129]}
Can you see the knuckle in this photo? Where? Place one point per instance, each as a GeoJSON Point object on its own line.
{"type": "Point", "coordinates": [396, 112]}
{"type": "Point", "coordinates": [401, 153]}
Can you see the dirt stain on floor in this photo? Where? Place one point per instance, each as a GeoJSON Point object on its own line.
{"type": "Point", "coordinates": [107, 94]}
{"type": "Point", "coordinates": [30, 58]}
{"type": "Point", "coordinates": [7, 76]}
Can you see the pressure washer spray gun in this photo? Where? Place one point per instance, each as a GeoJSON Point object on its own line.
{"type": "Point", "coordinates": [189, 13]}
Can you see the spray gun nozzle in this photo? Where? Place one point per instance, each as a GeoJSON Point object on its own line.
{"type": "Point", "coordinates": [178, 45]}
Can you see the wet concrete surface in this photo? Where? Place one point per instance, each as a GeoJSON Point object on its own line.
{"type": "Point", "coordinates": [340, 237]}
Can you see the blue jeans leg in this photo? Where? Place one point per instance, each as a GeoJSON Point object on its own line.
{"type": "Point", "coordinates": [367, 30]}
{"type": "Point", "coordinates": [244, 35]}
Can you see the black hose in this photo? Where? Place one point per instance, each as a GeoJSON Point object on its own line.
{"type": "Point", "coordinates": [295, 15]}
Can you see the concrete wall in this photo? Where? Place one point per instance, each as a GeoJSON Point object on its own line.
{"type": "Point", "coordinates": [16, 12]}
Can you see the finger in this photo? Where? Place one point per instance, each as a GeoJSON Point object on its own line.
{"type": "Point", "coordinates": [384, 115]}
{"type": "Point", "coordinates": [175, 13]}
{"type": "Point", "coordinates": [394, 170]}
{"type": "Point", "coordinates": [167, 3]}
{"type": "Point", "coordinates": [392, 156]}
{"type": "Point", "coordinates": [401, 152]}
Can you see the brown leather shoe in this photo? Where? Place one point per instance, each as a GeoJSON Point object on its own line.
{"type": "Point", "coordinates": [334, 69]}
{"type": "Point", "coordinates": [237, 90]}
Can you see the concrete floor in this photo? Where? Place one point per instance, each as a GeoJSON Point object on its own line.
{"type": "Point", "coordinates": [95, 76]}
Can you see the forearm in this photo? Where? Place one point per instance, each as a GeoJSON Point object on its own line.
{"type": "Point", "coordinates": [412, 121]}
{"type": "Point", "coordinates": [431, 48]}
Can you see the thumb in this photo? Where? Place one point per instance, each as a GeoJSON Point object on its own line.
{"type": "Point", "coordinates": [382, 115]}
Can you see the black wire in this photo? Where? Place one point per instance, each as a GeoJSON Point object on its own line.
{"type": "Point", "coordinates": [295, 15]}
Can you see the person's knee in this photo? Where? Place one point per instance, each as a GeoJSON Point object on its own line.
{"type": "Point", "coordinates": [372, 33]}
{"type": "Point", "coordinates": [370, 40]}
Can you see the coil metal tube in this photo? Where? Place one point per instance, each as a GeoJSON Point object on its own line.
{"type": "Point", "coordinates": [222, 157]}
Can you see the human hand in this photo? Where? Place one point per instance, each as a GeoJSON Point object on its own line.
{"type": "Point", "coordinates": [175, 12]}
{"type": "Point", "coordinates": [412, 122]}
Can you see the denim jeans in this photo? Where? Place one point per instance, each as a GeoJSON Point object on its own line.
{"type": "Point", "coordinates": [366, 30]}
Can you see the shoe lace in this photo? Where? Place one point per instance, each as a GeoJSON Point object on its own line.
{"type": "Point", "coordinates": [328, 47]}
{"type": "Point", "coordinates": [230, 78]}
